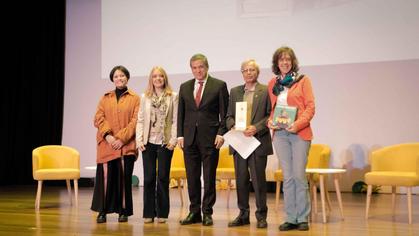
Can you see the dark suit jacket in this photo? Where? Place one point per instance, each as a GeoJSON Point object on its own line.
{"type": "Point", "coordinates": [208, 118]}
{"type": "Point", "coordinates": [261, 110]}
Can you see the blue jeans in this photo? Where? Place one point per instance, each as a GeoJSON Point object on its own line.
{"type": "Point", "coordinates": [292, 152]}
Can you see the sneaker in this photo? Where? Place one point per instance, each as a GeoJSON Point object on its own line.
{"type": "Point", "coordinates": [287, 226]}
{"type": "Point", "coordinates": [303, 226]}
{"type": "Point", "coordinates": [161, 220]}
{"type": "Point", "coordinates": [148, 220]}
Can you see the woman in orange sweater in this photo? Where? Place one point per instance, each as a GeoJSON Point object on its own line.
{"type": "Point", "coordinates": [115, 120]}
{"type": "Point", "coordinates": [292, 143]}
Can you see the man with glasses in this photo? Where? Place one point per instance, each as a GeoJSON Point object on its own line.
{"type": "Point", "coordinates": [258, 109]}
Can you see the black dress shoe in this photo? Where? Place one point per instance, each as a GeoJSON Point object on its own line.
{"type": "Point", "coordinates": [101, 218]}
{"type": "Point", "coordinates": [122, 218]}
{"type": "Point", "coordinates": [207, 221]}
{"type": "Point", "coordinates": [287, 226]}
{"type": "Point", "coordinates": [303, 226]}
{"type": "Point", "coordinates": [192, 218]}
{"type": "Point", "coordinates": [262, 224]}
{"type": "Point", "coordinates": [239, 221]}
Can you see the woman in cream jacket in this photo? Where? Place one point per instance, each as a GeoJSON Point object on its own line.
{"type": "Point", "coordinates": [156, 138]}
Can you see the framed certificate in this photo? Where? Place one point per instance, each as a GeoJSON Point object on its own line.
{"type": "Point", "coordinates": [241, 115]}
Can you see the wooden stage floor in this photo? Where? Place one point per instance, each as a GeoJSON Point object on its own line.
{"type": "Point", "coordinates": [58, 217]}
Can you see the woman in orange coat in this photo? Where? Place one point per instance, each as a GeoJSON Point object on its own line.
{"type": "Point", "coordinates": [292, 144]}
{"type": "Point", "coordinates": [115, 119]}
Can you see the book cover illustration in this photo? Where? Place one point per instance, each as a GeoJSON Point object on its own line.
{"type": "Point", "coordinates": [284, 116]}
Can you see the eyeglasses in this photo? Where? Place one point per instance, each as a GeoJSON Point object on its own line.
{"type": "Point", "coordinates": [248, 70]}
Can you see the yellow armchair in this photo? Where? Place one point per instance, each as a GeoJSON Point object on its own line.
{"type": "Point", "coordinates": [318, 157]}
{"type": "Point", "coordinates": [55, 162]}
{"type": "Point", "coordinates": [396, 165]}
{"type": "Point", "coordinates": [178, 171]}
{"type": "Point", "coordinates": [225, 169]}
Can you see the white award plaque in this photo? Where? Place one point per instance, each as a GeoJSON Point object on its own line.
{"type": "Point", "coordinates": [241, 115]}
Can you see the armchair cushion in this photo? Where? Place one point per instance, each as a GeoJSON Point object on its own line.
{"type": "Point", "coordinates": [56, 174]}
{"type": "Point", "coordinates": [396, 165]}
{"type": "Point", "coordinates": [54, 162]}
{"type": "Point", "coordinates": [392, 178]}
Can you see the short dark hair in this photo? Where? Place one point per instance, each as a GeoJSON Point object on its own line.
{"type": "Point", "coordinates": [278, 54]}
{"type": "Point", "coordinates": [121, 68]}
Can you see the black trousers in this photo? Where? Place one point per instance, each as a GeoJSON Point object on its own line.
{"type": "Point", "coordinates": [253, 167]}
{"type": "Point", "coordinates": [156, 200]}
{"type": "Point", "coordinates": [118, 187]}
{"type": "Point", "coordinates": [196, 156]}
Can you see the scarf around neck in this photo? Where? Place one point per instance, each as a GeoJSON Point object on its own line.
{"type": "Point", "coordinates": [158, 102]}
{"type": "Point", "coordinates": [289, 79]}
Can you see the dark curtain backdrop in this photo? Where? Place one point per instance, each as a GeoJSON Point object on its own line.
{"type": "Point", "coordinates": [32, 110]}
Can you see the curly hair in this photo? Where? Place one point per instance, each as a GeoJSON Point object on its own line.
{"type": "Point", "coordinates": [278, 54]}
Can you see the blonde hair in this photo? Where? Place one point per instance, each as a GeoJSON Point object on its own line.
{"type": "Point", "coordinates": [150, 88]}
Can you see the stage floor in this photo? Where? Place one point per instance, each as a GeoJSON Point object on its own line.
{"type": "Point", "coordinates": [57, 217]}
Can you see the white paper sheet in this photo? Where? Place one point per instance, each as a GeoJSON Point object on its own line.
{"type": "Point", "coordinates": [242, 144]}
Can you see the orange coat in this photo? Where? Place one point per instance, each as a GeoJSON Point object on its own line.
{"type": "Point", "coordinates": [300, 95]}
{"type": "Point", "coordinates": [119, 119]}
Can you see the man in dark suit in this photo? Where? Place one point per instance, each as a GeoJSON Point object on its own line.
{"type": "Point", "coordinates": [202, 110]}
{"type": "Point", "coordinates": [258, 111]}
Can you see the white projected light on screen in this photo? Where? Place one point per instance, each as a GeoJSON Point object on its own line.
{"type": "Point", "coordinates": [141, 34]}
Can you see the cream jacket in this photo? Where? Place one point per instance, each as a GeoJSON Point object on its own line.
{"type": "Point", "coordinates": [170, 125]}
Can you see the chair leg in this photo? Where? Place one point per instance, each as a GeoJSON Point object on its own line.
{"type": "Point", "coordinates": [322, 195]}
{"type": "Point", "coordinates": [228, 192]}
{"type": "Point", "coordinates": [369, 190]}
{"type": "Point", "coordinates": [393, 200]}
{"type": "Point", "coordinates": [179, 187]}
{"type": "Point", "coordinates": [326, 191]}
{"type": "Point", "coordinates": [277, 193]}
{"type": "Point", "coordinates": [314, 191]}
{"type": "Point", "coordinates": [185, 190]}
{"type": "Point", "coordinates": [69, 190]}
{"type": "Point", "coordinates": [76, 192]}
{"type": "Point", "coordinates": [338, 195]}
{"type": "Point", "coordinates": [409, 203]}
{"type": "Point", "coordinates": [38, 195]}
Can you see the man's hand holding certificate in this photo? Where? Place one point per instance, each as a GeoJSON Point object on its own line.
{"type": "Point", "coordinates": [250, 131]}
